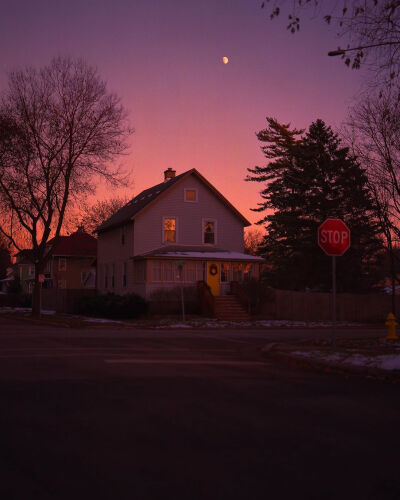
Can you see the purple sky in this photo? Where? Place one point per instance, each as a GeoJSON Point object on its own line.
{"type": "Point", "coordinates": [164, 60]}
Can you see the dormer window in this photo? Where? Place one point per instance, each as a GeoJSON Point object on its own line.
{"type": "Point", "coordinates": [190, 195]}
{"type": "Point", "coordinates": [169, 230]}
{"type": "Point", "coordinates": [209, 231]}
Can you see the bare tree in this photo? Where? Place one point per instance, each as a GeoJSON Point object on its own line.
{"type": "Point", "coordinates": [252, 240]}
{"type": "Point", "coordinates": [373, 133]}
{"type": "Point", "coordinates": [60, 130]}
{"type": "Point", "coordinates": [371, 29]}
{"type": "Point", "coordinates": [92, 216]}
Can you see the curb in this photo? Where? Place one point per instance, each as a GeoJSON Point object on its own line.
{"type": "Point", "coordinates": [274, 351]}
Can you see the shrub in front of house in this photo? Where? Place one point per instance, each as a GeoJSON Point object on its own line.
{"type": "Point", "coordinates": [258, 292]}
{"type": "Point", "coordinates": [15, 300]}
{"type": "Point", "coordinates": [169, 301]}
{"type": "Point", "coordinates": [113, 306]}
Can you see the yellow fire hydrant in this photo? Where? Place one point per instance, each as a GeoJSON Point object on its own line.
{"type": "Point", "coordinates": [391, 324]}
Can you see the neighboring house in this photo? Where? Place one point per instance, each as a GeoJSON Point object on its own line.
{"type": "Point", "coordinates": [8, 280]}
{"type": "Point", "coordinates": [181, 230]}
{"type": "Point", "coordinates": [71, 266]}
{"type": "Point", "coordinates": [25, 268]}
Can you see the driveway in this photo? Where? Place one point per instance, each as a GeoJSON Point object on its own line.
{"type": "Point", "coordinates": [112, 413]}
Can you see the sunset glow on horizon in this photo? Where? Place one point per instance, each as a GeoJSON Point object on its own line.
{"type": "Point", "coordinates": [188, 107]}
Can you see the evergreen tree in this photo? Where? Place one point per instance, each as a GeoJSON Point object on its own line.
{"type": "Point", "coordinates": [309, 179]}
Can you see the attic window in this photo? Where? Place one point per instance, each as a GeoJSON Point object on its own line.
{"type": "Point", "coordinates": [190, 195]}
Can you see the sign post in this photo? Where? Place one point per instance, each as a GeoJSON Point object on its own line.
{"type": "Point", "coordinates": [180, 264]}
{"type": "Point", "coordinates": [334, 239]}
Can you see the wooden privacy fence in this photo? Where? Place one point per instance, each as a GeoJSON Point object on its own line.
{"type": "Point", "coordinates": [64, 301]}
{"type": "Point", "coordinates": [312, 306]}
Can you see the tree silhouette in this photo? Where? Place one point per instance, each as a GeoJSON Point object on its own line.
{"type": "Point", "coordinates": [371, 29]}
{"type": "Point", "coordinates": [60, 130]}
{"type": "Point", "coordinates": [309, 179]}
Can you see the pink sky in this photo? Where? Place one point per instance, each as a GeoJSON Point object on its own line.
{"type": "Point", "coordinates": [188, 109]}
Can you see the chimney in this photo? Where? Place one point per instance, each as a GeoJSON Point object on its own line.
{"type": "Point", "coordinates": [169, 174]}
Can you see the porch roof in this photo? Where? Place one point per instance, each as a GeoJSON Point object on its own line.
{"type": "Point", "coordinates": [199, 253]}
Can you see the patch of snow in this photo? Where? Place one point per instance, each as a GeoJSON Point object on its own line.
{"type": "Point", "coordinates": [384, 362]}
{"type": "Point", "coordinates": [99, 320]}
{"type": "Point", "coordinates": [23, 309]}
{"type": "Point", "coordinates": [389, 362]}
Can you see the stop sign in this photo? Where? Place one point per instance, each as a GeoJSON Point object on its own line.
{"type": "Point", "coordinates": [334, 237]}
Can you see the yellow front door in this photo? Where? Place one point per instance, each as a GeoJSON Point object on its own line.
{"type": "Point", "coordinates": [213, 277]}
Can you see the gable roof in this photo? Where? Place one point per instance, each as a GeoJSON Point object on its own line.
{"type": "Point", "coordinates": [78, 244]}
{"type": "Point", "coordinates": [25, 256]}
{"type": "Point", "coordinates": [149, 196]}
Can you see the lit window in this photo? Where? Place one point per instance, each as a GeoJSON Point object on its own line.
{"type": "Point", "coordinates": [248, 272]}
{"type": "Point", "coordinates": [169, 230]}
{"type": "Point", "coordinates": [237, 274]}
{"type": "Point", "coordinates": [209, 232]}
{"type": "Point", "coordinates": [62, 264]}
{"type": "Point", "coordinates": [190, 195]}
{"type": "Point", "coordinates": [225, 271]}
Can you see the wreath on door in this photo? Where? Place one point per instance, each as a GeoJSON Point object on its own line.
{"type": "Point", "coordinates": [213, 269]}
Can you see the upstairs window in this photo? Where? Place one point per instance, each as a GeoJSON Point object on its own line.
{"type": "Point", "coordinates": [169, 230]}
{"type": "Point", "coordinates": [190, 195]}
{"type": "Point", "coordinates": [209, 231]}
{"type": "Point", "coordinates": [62, 264]}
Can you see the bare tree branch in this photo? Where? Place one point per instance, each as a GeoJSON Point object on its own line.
{"type": "Point", "coordinates": [60, 131]}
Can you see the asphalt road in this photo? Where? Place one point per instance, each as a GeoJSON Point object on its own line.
{"type": "Point", "coordinates": [116, 413]}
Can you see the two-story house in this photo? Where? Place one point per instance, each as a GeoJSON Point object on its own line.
{"type": "Point", "coordinates": [71, 266]}
{"type": "Point", "coordinates": [181, 230]}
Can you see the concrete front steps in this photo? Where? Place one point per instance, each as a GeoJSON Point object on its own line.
{"type": "Point", "coordinates": [228, 308]}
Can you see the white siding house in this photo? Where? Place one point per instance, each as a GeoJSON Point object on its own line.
{"type": "Point", "coordinates": [181, 230]}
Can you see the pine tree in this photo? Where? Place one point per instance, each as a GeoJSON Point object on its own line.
{"type": "Point", "coordinates": [309, 179]}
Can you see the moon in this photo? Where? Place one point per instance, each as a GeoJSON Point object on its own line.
{"type": "Point", "coordinates": [225, 60]}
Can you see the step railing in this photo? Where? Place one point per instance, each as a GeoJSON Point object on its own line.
{"type": "Point", "coordinates": [206, 298]}
{"type": "Point", "coordinates": [238, 292]}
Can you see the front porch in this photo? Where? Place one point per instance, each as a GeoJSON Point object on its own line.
{"type": "Point", "coordinates": [169, 268]}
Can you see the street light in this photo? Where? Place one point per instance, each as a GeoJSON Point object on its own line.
{"type": "Point", "coordinates": [341, 52]}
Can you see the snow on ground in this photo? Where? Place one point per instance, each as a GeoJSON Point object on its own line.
{"type": "Point", "coordinates": [200, 323]}
{"type": "Point", "coordinates": [22, 309]}
{"type": "Point", "coordinates": [383, 362]}
{"type": "Point", "coordinates": [98, 320]}
{"type": "Point", "coordinates": [214, 323]}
